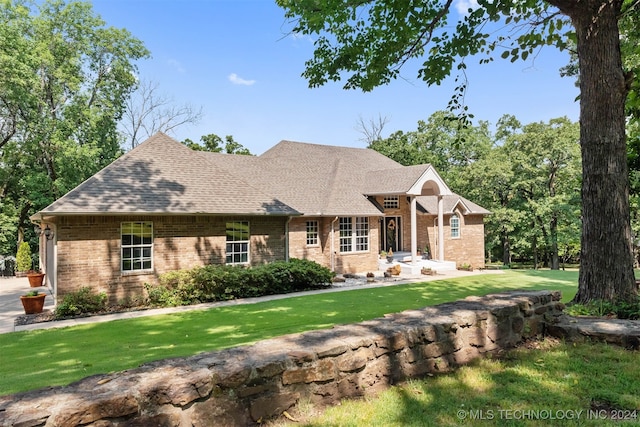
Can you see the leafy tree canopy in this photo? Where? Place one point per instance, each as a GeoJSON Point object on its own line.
{"type": "Point", "coordinates": [367, 42]}
{"type": "Point", "coordinates": [64, 79]}
{"type": "Point", "coordinates": [214, 144]}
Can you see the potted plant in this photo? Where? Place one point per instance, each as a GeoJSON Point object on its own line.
{"type": "Point", "coordinates": [370, 277]}
{"type": "Point", "coordinates": [427, 271]}
{"type": "Point", "coordinates": [465, 267]}
{"type": "Point", "coordinates": [390, 256]}
{"type": "Point", "coordinates": [33, 302]}
{"type": "Point", "coordinates": [425, 253]}
{"type": "Point", "coordinates": [35, 278]}
{"type": "Point", "coordinates": [23, 259]}
{"type": "Point", "coordinates": [383, 254]}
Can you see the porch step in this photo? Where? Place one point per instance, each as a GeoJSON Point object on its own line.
{"type": "Point", "coordinates": [407, 268]}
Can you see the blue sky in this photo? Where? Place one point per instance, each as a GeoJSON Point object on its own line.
{"type": "Point", "coordinates": [233, 59]}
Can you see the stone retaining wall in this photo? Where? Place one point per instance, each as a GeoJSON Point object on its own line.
{"type": "Point", "coordinates": [245, 385]}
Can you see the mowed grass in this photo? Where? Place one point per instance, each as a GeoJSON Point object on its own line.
{"type": "Point", "coordinates": [559, 384]}
{"type": "Point", "coordinates": [35, 359]}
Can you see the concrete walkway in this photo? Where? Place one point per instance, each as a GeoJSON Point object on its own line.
{"type": "Point", "coordinates": [12, 288]}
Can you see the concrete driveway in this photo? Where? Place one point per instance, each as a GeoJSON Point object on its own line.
{"type": "Point", "coordinates": [10, 306]}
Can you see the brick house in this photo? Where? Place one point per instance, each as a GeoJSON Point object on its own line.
{"type": "Point", "coordinates": [164, 207]}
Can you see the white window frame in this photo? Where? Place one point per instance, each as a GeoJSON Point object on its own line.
{"type": "Point", "coordinates": [391, 202]}
{"type": "Point", "coordinates": [238, 248]}
{"type": "Point", "coordinates": [354, 234]}
{"type": "Point", "coordinates": [455, 229]}
{"type": "Point", "coordinates": [136, 246]}
{"type": "Point", "coordinates": [313, 233]}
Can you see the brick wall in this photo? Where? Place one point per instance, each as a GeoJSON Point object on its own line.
{"type": "Point", "coordinates": [469, 247]}
{"type": "Point", "coordinates": [356, 262]}
{"type": "Point", "coordinates": [88, 249]}
{"type": "Point", "coordinates": [466, 249]}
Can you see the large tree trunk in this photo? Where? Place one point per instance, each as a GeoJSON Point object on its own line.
{"type": "Point", "coordinates": [606, 270]}
{"type": "Point", "coordinates": [553, 234]}
{"type": "Point", "coordinates": [506, 247]}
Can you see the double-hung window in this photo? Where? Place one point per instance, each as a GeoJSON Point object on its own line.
{"type": "Point", "coordinates": [454, 224]}
{"type": "Point", "coordinates": [136, 245]}
{"type": "Point", "coordinates": [354, 234]}
{"type": "Point", "coordinates": [312, 233]}
{"type": "Point", "coordinates": [237, 242]}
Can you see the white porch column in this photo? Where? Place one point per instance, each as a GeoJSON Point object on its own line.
{"type": "Point", "coordinates": [440, 228]}
{"type": "Point", "coordinates": [414, 230]}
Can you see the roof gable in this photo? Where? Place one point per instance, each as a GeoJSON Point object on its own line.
{"type": "Point", "coordinates": [450, 203]}
{"type": "Point", "coordinates": [413, 180]}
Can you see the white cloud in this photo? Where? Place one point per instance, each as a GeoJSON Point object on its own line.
{"type": "Point", "coordinates": [301, 36]}
{"type": "Point", "coordinates": [237, 80]}
{"type": "Point", "coordinates": [177, 65]}
{"type": "Point", "coordinates": [463, 6]}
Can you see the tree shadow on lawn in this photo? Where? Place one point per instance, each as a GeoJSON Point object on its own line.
{"type": "Point", "coordinates": [69, 354]}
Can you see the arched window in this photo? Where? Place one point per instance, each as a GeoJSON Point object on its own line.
{"type": "Point", "coordinates": [454, 223]}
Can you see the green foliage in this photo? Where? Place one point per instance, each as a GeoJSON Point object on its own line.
{"type": "Point", "coordinates": [8, 226]}
{"type": "Point", "coordinates": [227, 282]}
{"type": "Point", "coordinates": [528, 176]}
{"type": "Point", "coordinates": [619, 309]}
{"type": "Point", "coordinates": [83, 301]}
{"type": "Point", "coordinates": [65, 76]}
{"type": "Point", "coordinates": [214, 144]}
{"type": "Point", "coordinates": [368, 42]}
{"type": "Point", "coordinates": [32, 294]}
{"type": "Point", "coordinates": [23, 258]}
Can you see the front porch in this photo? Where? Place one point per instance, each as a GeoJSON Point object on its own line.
{"type": "Point", "coordinates": [404, 260]}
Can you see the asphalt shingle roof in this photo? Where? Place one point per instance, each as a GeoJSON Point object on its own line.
{"type": "Point", "coordinates": [162, 175]}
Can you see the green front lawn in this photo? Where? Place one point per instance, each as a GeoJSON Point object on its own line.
{"type": "Point", "coordinates": [35, 359]}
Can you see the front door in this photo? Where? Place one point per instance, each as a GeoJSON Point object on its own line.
{"type": "Point", "coordinates": [392, 233]}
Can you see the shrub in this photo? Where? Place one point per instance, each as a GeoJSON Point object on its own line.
{"type": "Point", "coordinates": [628, 310]}
{"type": "Point", "coordinates": [83, 301]}
{"type": "Point", "coordinates": [225, 282]}
{"type": "Point", "coordinates": [23, 257]}
{"type": "Point", "coordinates": [619, 309]}
{"type": "Point", "coordinates": [7, 265]}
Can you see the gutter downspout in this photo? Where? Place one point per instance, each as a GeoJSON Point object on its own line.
{"type": "Point", "coordinates": [286, 239]}
{"type": "Point", "coordinates": [333, 253]}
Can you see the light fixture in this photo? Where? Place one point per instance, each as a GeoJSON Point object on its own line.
{"type": "Point", "coordinates": [48, 233]}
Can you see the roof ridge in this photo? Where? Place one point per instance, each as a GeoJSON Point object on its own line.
{"type": "Point", "coordinates": [209, 155]}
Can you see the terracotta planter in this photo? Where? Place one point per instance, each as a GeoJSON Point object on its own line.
{"type": "Point", "coordinates": [33, 305]}
{"type": "Point", "coordinates": [35, 279]}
